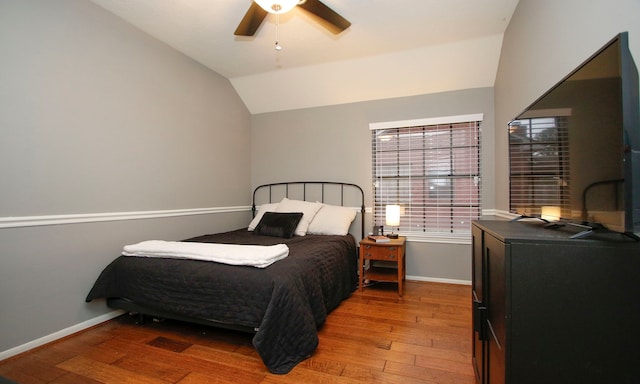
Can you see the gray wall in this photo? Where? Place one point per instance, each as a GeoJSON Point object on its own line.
{"type": "Point", "coordinates": [334, 143]}
{"type": "Point", "coordinates": [545, 40]}
{"type": "Point", "coordinates": [97, 117]}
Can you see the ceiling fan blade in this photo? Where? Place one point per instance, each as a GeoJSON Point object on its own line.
{"type": "Point", "coordinates": [251, 21]}
{"type": "Point", "coordinates": [333, 21]}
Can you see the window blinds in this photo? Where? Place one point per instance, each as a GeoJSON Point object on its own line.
{"type": "Point", "coordinates": [432, 170]}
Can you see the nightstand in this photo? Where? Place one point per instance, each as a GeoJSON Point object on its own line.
{"type": "Point", "coordinates": [386, 262]}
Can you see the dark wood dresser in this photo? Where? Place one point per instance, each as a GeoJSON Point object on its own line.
{"type": "Point", "coordinates": [551, 309]}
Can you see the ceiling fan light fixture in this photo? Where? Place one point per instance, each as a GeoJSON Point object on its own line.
{"type": "Point", "coordinates": [277, 6]}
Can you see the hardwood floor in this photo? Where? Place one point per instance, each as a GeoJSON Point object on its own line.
{"type": "Point", "coordinates": [372, 337]}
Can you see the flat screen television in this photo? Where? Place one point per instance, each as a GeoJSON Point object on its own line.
{"type": "Point", "coordinates": [574, 154]}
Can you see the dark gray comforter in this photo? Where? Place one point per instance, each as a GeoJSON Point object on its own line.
{"type": "Point", "coordinates": [286, 302]}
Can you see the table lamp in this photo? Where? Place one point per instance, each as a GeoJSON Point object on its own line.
{"type": "Point", "coordinates": [392, 216]}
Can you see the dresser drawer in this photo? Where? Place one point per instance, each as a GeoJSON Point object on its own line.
{"type": "Point", "coordinates": [390, 253]}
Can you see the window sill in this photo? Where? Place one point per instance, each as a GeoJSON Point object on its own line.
{"type": "Point", "coordinates": [445, 238]}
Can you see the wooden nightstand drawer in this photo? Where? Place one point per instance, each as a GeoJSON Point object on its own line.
{"type": "Point", "coordinates": [381, 253]}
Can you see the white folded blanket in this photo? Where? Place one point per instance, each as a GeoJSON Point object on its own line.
{"type": "Point", "coordinates": [260, 256]}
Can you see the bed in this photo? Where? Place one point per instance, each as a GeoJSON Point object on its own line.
{"type": "Point", "coordinates": [282, 304]}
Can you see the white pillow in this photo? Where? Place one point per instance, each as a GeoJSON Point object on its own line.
{"type": "Point", "coordinates": [261, 210]}
{"type": "Point", "coordinates": [307, 208]}
{"type": "Point", "coordinates": [332, 220]}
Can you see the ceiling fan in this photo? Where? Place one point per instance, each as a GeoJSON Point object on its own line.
{"type": "Point", "coordinates": [257, 13]}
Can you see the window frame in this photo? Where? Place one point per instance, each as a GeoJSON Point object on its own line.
{"type": "Point", "coordinates": [450, 236]}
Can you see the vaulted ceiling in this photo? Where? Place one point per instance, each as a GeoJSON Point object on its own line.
{"type": "Point", "coordinates": [393, 48]}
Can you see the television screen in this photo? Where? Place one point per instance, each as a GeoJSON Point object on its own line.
{"type": "Point", "coordinates": [573, 153]}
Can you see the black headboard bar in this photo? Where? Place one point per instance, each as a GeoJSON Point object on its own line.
{"type": "Point", "coordinates": [304, 194]}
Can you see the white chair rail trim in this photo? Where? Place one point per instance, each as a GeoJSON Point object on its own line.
{"type": "Point", "coordinates": [32, 221]}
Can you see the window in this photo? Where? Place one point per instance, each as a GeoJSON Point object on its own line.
{"type": "Point", "coordinates": [431, 168]}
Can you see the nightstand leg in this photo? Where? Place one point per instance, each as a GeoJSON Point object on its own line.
{"type": "Point", "coordinates": [400, 279]}
{"type": "Point", "coordinates": [401, 268]}
{"type": "Point", "coordinates": [360, 271]}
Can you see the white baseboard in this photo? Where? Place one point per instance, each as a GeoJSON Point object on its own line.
{"type": "Point", "coordinates": [59, 334]}
{"type": "Point", "coordinates": [438, 280]}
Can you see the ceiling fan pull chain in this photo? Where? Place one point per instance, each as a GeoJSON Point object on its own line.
{"type": "Point", "coordinates": [278, 46]}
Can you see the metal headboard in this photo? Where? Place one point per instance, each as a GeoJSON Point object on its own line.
{"type": "Point", "coordinates": [322, 186]}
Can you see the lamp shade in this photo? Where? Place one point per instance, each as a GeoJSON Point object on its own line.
{"type": "Point", "coordinates": [392, 215]}
{"type": "Point", "coordinates": [277, 6]}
